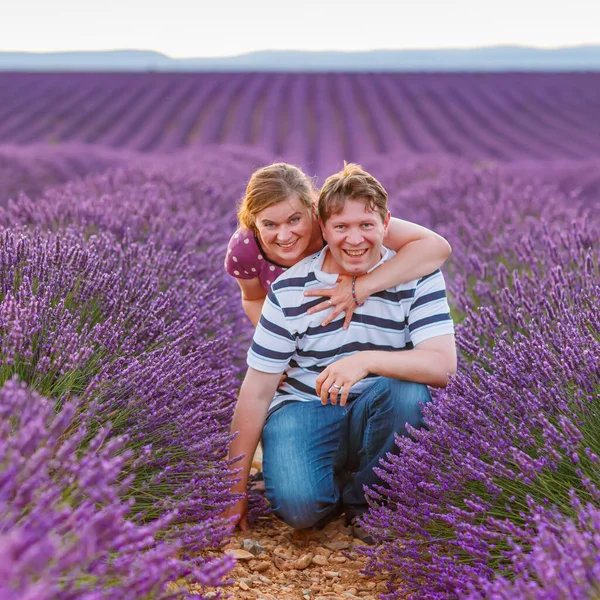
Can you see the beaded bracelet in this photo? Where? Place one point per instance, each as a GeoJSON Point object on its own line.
{"type": "Point", "coordinates": [354, 292]}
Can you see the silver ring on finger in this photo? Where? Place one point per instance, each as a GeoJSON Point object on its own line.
{"type": "Point", "coordinates": [339, 387]}
{"type": "Point", "coordinates": [330, 302]}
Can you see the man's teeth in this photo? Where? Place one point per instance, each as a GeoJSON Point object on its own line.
{"type": "Point", "coordinates": [355, 252]}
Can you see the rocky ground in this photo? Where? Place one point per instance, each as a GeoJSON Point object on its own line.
{"type": "Point", "coordinates": [276, 562]}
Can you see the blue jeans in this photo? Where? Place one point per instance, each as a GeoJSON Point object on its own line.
{"type": "Point", "coordinates": [316, 459]}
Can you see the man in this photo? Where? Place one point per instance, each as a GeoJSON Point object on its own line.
{"type": "Point", "coordinates": [347, 392]}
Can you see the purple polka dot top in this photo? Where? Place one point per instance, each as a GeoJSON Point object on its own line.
{"type": "Point", "coordinates": [245, 259]}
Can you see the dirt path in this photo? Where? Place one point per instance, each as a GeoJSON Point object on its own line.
{"type": "Point", "coordinates": [282, 564]}
{"type": "Point", "coordinates": [276, 562]}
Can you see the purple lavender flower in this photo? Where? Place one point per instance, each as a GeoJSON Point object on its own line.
{"type": "Point", "coordinates": [563, 562]}
{"type": "Point", "coordinates": [508, 435]}
{"type": "Point", "coordinates": [64, 527]}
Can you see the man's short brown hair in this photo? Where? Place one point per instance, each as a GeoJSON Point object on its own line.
{"type": "Point", "coordinates": [351, 183]}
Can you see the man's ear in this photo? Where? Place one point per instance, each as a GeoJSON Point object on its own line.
{"type": "Point", "coordinates": [386, 223]}
{"type": "Point", "coordinates": [322, 226]}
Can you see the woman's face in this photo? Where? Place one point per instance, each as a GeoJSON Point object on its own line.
{"type": "Point", "coordinates": [285, 230]}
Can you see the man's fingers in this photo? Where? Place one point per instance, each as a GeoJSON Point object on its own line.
{"type": "Point", "coordinates": [237, 517]}
{"type": "Point", "coordinates": [324, 394]}
{"type": "Point", "coordinates": [325, 390]}
{"type": "Point", "coordinates": [344, 397]}
{"type": "Point", "coordinates": [320, 387]}
{"type": "Point", "coordinates": [328, 388]}
{"type": "Point", "coordinates": [334, 392]}
{"type": "Point", "coordinates": [333, 395]}
{"type": "Point", "coordinates": [319, 383]}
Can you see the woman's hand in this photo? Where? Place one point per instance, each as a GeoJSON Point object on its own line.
{"type": "Point", "coordinates": [337, 379]}
{"type": "Point", "coordinates": [340, 299]}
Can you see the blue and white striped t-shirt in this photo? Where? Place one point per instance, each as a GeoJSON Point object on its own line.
{"type": "Point", "coordinates": [288, 339]}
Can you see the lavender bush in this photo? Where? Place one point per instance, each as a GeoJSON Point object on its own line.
{"type": "Point", "coordinates": [184, 204]}
{"type": "Point", "coordinates": [64, 531]}
{"type": "Point", "coordinates": [123, 326]}
{"type": "Point", "coordinates": [483, 211]}
{"type": "Point", "coordinates": [516, 429]}
{"type": "Point", "coordinates": [562, 563]}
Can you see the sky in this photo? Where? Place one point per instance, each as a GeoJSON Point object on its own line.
{"type": "Point", "coordinates": [200, 28]}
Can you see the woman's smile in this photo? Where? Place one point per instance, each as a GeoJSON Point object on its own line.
{"type": "Point", "coordinates": [287, 245]}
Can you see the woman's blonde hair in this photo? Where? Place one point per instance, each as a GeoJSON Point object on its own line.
{"type": "Point", "coordinates": [270, 185]}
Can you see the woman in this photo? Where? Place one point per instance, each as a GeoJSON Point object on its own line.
{"type": "Point", "coordinates": [278, 228]}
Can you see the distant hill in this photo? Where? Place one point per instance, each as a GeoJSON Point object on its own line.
{"type": "Point", "coordinates": [498, 58]}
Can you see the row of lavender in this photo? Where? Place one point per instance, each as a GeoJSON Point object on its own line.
{"type": "Point", "coordinates": [314, 120]}
{"type": "Point", "coordinates": [498, 498]}
{"type": "Point", "coordinates": [117, 381]}
{"type": "Point", "coordinates": [30, 169]}
{"type": "Point", "coordinates": [124, 305]}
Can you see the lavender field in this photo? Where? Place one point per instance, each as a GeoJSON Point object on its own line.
{"type": "Point", "coordinates": [123, 340]}
{"type": "Point", "coordinates": [313, 120]}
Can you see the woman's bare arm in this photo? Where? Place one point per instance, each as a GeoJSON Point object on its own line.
{"type": "Point", "coordinates": [253, 298]}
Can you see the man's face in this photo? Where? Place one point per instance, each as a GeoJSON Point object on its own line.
{"type": "Point", "coordinates": [355, 237]}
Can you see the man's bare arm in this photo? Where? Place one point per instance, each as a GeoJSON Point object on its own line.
{"type": "Point", "coordinates": [249, 417]}
{"type": "Point", "coordinates": [430, 362]}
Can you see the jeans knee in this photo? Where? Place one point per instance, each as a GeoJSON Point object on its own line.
{"type": "Point", "coordinates": [409, 392]}
{"type": "Point", "coordinates": [299, 510]}
{"type": "Point", "coordinates": [404, 399]}
{"type": "Point", "coordinates": [411, 389]}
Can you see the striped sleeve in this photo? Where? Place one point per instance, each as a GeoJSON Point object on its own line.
{"type": "Point", "coordinates": [272, 345]}
{"type": "Point", "coordinates": [429, 314]}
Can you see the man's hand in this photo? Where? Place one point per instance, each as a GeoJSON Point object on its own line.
{"type": "Point", "coordinates": [240, 511]}
{"type": "Point", "coordinates": [337, 379]}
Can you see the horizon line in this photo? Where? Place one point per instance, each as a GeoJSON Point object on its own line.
{"type": "Point", "coordinates": [307, 51]}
